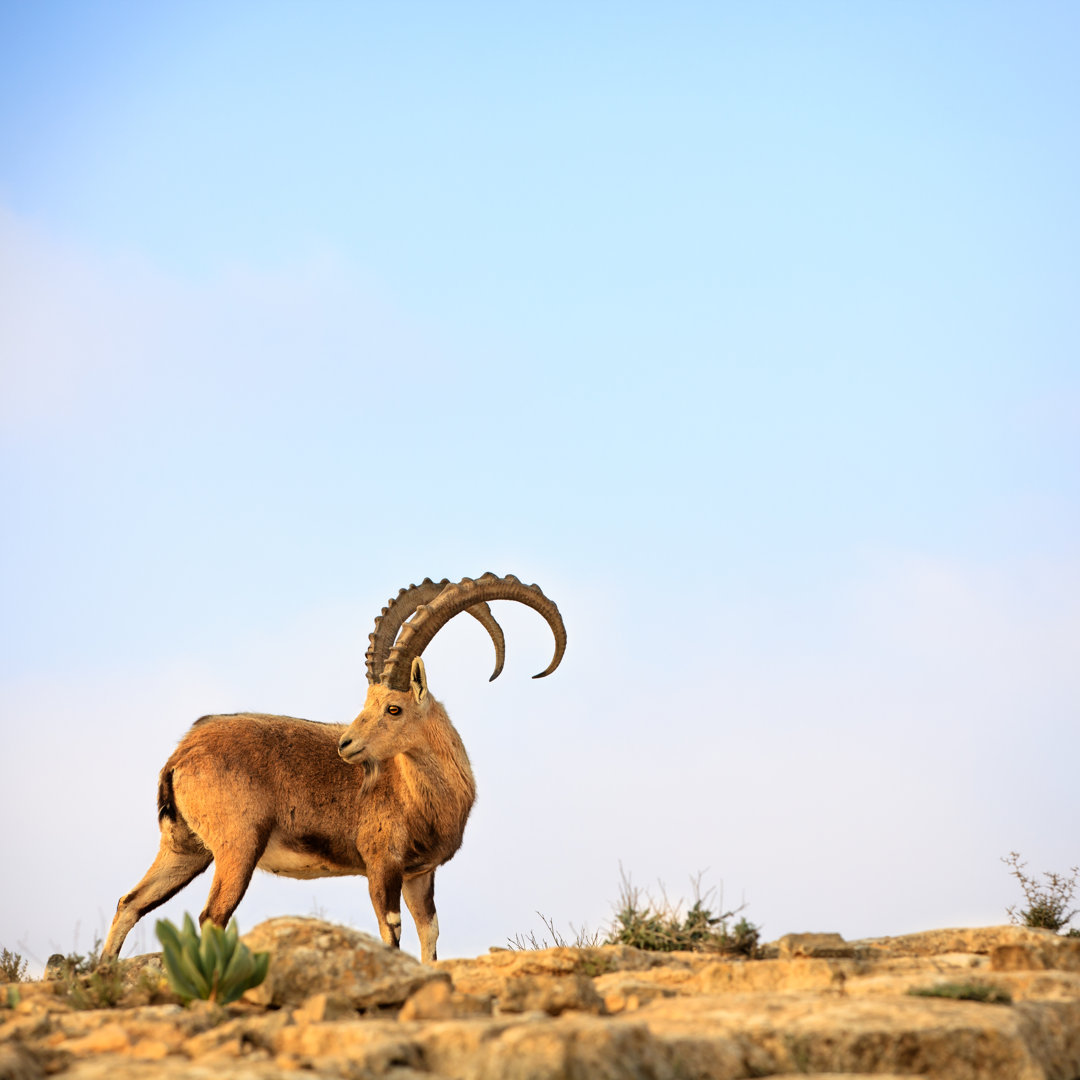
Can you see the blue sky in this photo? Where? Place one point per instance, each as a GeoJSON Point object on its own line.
{"type": "Point", "coordinates": [749, 332]}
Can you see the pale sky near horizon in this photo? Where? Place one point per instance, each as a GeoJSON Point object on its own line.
{"type": "Point", "coordinates": [749, 332]}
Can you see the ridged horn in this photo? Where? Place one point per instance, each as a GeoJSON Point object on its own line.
{"type": "Point", "coordinates": [402, 607]}
{"type": "Point", "coordinates": [430, 618]}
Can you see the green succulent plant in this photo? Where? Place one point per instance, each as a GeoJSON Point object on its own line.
{"type": "Point", "coordinates": [217, 966]}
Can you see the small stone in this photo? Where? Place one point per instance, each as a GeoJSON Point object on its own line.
{"type": "Point", "coordinates": [109, 1039]}
{"type": "Point", "coordinates": [438, 1001]}
{"type": "Point", "coordinates": [56, 967]}
{"type": "Point", "coordinates": [816, 946]}
{"type": "Point", "coordinates": [631, 995]}
{"type": "Point", "coordinates": [150, 1050]}
{"type": "Point", "coordinates": [320, 1007]}
{"type": "Point", "coordinates": [16, 1063]}
{"type": "Point", "coordinates": [552, 994]}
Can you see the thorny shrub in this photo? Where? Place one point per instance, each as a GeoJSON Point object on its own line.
{"type": "Point", "coordinates": [662, 926]}
{"type": "Point", "coordinates": [1048, 901]}
{"type": "Point", "coordinates": [12, 967]}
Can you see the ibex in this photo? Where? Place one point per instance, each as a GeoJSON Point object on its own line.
{"type": "Point", "coordinates": [386, 796]}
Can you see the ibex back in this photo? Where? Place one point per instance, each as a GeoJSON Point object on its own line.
{"type": "Point", "coordinates": [386, 796]}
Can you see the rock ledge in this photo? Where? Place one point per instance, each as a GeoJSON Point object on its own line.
{"type": "Point", "coordinates": [339, 1004]}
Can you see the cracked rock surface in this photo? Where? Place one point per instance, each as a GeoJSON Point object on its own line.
{"type": "Point", "coordinates": [337, 1003]}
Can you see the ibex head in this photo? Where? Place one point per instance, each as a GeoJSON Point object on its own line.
{"type": "Point", "coordinates": [391, 722]}
{"type": "Point", "coordinates": [396, 715]}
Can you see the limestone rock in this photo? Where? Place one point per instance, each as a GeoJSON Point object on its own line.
{"type": "Point", "coordinates": [981, 940]}
{"type": "Point", "coordinates": [804, 1032]}
{"type": "Point", "coordinates": [56, 967]}
{"type": "Point", "coordinates": [17, 1063]}
{"type": "Point", "coordinates": [320, 1007]}
{"type": "Point", "coordinates": [1053, 954]}
{"type": "Point", "coordinates": [437, 1001]}
{"type": "Point", "coordinates": [488, 974]}
{"type": "Point", "coordinates": [552, 994]}
{"type": "Point", "coordinates": [309, 956]}
{"type": "Point", "coordinates": [817, 946]}
{"type": "Point", "coordinates": [613, 1014]}
{"type": "Point", "coordinates": [180, 1069]}
{"type": "Point", "coordinates": [572, 1045]}
{"type": "Point", "coordinates": [377, 1045]}
{"type": "Point", "coordinates": [627, 992]}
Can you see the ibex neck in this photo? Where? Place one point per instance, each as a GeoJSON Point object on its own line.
{"type": "Point", "coordinates": [438, 776]}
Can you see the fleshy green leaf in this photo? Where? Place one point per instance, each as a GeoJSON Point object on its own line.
{"type": "Point", "coordinates": [192, 970]}
{"type": "Point", "coordinates": [254, 973]}
{"type": "Point", "coordinates": [229, 940]}
{"type": "Point", "coordinates": [174, 972]}
{"type": "Point", "coordinates": [240, 966]}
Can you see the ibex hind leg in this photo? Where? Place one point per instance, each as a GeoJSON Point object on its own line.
{"type": "Point", "coordinates": [419, 893]}
{"type": "Point", "coordinates": [234, 863]}
{"type": "Point", "coordinates": [170, 871]}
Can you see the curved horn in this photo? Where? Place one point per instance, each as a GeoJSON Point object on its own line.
{"type": "Point", "coordinates": [397, 610]}
{"type": "Point", "coordinates": [430, 618]}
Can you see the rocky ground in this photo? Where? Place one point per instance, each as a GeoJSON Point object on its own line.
{"type": "Point", "coordinates": [339, 1004]}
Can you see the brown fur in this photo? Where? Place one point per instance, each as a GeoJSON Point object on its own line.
{"type": "Point", "coordinates": [250, 790]}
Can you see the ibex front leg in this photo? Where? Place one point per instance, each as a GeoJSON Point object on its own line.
{"type": "Point", "coordinates": [419, 894]}
{"type": "Point", "coordinates": [384, 886]}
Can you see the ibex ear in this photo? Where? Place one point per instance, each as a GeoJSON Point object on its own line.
{"type": "Point", "coordinates": [418, 678]}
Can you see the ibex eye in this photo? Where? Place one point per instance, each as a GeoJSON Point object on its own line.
{"type": "Point", "coordinates": [393, 710]}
